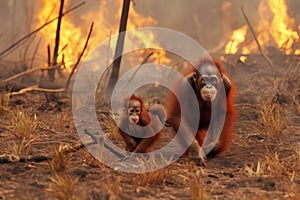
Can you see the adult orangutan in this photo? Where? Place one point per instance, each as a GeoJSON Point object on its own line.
{"type": "Point", "coordinates": [215, 95]}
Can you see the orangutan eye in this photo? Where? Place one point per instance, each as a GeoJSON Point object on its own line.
{"type": "Point", "coordinates": [202, 81]}
{"type": "Point", "coordinates": [214, 81]}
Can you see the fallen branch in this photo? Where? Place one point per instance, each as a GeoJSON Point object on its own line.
{"type": "Point", "coordinates": [80, 56]}
{"type": "Point", "coordinates": [25, 73]}
{"type": "Point", "coordinates": [37, 30]}
{"type": "Point", "coordinates": [256, 40]}
{"type": "Point", "coordinates": [36, 88]}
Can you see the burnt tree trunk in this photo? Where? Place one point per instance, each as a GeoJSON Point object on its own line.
{"type": "Point", "coordinates": [119, 49]}
{"type": "Point", "coordinates": [51, 73]}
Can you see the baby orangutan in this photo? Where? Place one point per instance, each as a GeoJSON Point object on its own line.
{"type": "Point", "coordinates": [140, 127]}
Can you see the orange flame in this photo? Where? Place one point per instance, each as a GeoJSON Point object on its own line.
{"type": "Point", "coordinates": [275, 28]}
{"type": "Point", "coordinates": [238, 36]}
{"type": "Point", "coordinates": [74, 31]}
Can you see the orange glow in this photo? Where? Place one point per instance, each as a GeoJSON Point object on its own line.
{"type": "Point", "coordinates": [238, 36]}
{"type": "Point", "coordinates": [275, 28]}
{"type": "Point", "coordinates": [106, 17]}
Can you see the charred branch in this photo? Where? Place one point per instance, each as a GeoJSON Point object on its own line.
{"type": "Point", "coordinates": [51, 73]}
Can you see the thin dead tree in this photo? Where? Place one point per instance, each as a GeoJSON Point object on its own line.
{"type": "Point", "coordinates": [119, 49]}
{"type": "Point", "coordinates": [51, 73]}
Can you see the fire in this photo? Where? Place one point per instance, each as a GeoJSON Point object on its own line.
{"type": "Point", "coordinates": [106, 18]}
{"type": "Point", "coordinates": [70, 34]}
{"type": "Point", "coordinates": [238, 36]}
{"type": "Point", "coordinates": [275, 28]}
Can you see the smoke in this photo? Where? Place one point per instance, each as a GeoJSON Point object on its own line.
{"type": "Point", "coordinates": [201, 20]}
{"type": "Point", "coordinates": [16, 19]}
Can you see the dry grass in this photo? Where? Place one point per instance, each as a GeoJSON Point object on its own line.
{"type": "Point", "coordinates": [272, 118]}
{"type": "Point", "coordinates": [274, 166]}
{"type": "Point", "coordinates": [198, 189]}
{"type": "Point", "coordinates": [152, 177]}
{"type": "Point", "coordinates": [4, 101]}
{"type": "Point", "coordinates": [64, 120]}
{"type": "Point", "coordinates": [59, 162]}
{"type": "Point", "coordinates": [255, 171]}
{"type": "Point", "coordinates": [62, 186]}
{"type": "Point", "coordinates": [24, 127]}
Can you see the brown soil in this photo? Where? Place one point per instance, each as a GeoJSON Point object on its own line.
{"type": "Point", "coordinates": [32, 176]}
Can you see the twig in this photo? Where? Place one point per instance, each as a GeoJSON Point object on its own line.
{"type": "Point", "coordinates": [35, 88]}
{"type": "Point", "coordinates": [133, 75]}
{"type": "Point", "coordinates": [256, 40]}
{"type": "Point", "coordinates": [37, 30]}
{"type": "Point", "coordinates": [48, 55]}
{"type": "Point", "coordinates": [81, 54]}
{"type": "Point", "coordinates": [25, 73]}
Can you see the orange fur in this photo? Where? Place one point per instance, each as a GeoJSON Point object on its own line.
{"type": "Point", "coordinates": [174, 110]}
{"type": "Point", "coordinates": [135, 144]}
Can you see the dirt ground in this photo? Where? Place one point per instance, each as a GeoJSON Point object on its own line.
{"type": "Point", "coordinates": [262, 163]}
